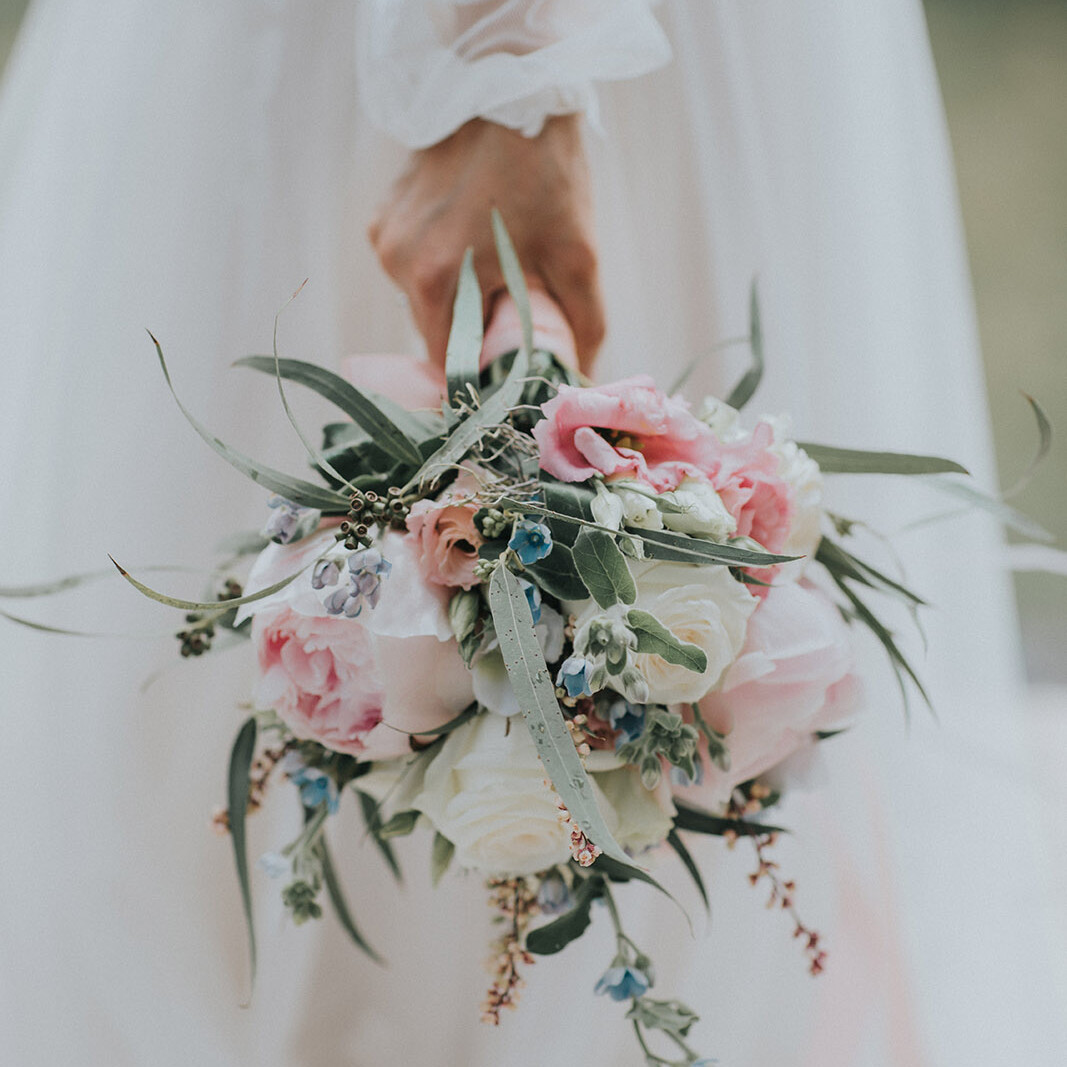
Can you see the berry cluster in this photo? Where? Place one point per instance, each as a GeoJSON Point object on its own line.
{"type": "Point", "coordinates": [367, 509]}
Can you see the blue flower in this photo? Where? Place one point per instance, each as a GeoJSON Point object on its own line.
{"type": "Point", "coordinates": [289, 521]}
{"type": "Point", "coordinates": [531, 541]}
{"type": "Point", "coordinates": [362, 585]}
{"type": "Point", "coordinates": [317, 788]}
{"type": "Point", "coordinates": [553, 898]}
{"type": "Point", "coordinates": [628, 719]}
{"type": "Point", "coordinates": [574, 676]}
{"type": "Point", "coordinates": [533, 598]}
{"type": "Point", "coordinates": [623, 983]}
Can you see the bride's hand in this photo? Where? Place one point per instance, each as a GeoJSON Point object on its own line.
{"type": "Point", "coordinates": [441, 205]}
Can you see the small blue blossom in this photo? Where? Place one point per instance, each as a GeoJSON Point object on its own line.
{"type": "Point", "coordinates": [623, 983]}
{"type": "Point", "coordinates": [553, 898]}
{"type": "Point", "coordinates": [326, 572]}
{"type": "Point", "coordinates": [574, 676]}
{"type": "Point", "coordinates": [288, 521]}
{"type": "Point", "coordinates": [530, 541]}
{"type": "Point", "coordinates": [274, 864]}
{"type": "Point", "coordinates": [316, 787]}
{"type": "Point", "coordinates": [361, 586]}
{"type": "Point", "coordinates": [533, 598]}
{"type": "Point", "coordinates": [628, 719]}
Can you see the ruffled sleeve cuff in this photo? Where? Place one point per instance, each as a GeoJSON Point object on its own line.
{"type": "Point", "coordinates": [428, 66]}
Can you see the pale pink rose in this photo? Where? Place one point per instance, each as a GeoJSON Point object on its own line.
{"type": "Point", "coordinates": [792, 678]}
{"type": "Point", "coordinates": [445, 537]}
{"type": "Point", "coordinates": [654, 438]}
{"type": "Point", "coordinates": [759, 499]}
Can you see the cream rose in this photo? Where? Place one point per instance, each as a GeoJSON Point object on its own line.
{"type": "Point", "coordinates": [485, 791]}
{"type": "Point", "coordinates": [642, 817]}
{"type": "Point", "coordinates": [701, 605]}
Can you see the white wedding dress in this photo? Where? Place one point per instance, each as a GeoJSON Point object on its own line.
{"type": "Point", "coordinates": [184, 167]}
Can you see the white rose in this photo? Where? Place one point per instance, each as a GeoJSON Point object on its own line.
{"type": "Point", "coordinates": [723, 420]}
{"type": "Point", "coordinates": [607, 508]}
{"type": "Point", "coordinates": [701, 605]}
{"type": "Point", "coordinates": [485, 791]}
{"type": "Point", "coordinates": [705, 512]}
{"type": "Point", "coordinates": [645, 816]}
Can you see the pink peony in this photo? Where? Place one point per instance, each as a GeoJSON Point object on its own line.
{"type": "Point", "coordinates": [361, 686]}
{"type": "Point", "coordinates": [445, 536]}
{"type": "Point", "coordinates": [649, 436]}
{"type": "Point", "coordinates": [750, 487]}
{"type": "Point", "coordinates": [792, 678]}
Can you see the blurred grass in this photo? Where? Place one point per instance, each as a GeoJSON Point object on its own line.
{"type": "Point", "coordinates": [1003, 71]}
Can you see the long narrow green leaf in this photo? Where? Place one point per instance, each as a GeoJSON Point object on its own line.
{"type": "Point", "coordinates": [204, 605]}
{"type": "Point", "coordinates": [533, 687]}
{"type": "Point", "coordinates": [140, 635]}
{"type": "Point", "coordinates": [690, 865]}
{"type": "Point", "coordinates": [856, 461]}
{"type": "Point", "coordinates": [473, 428]}
{"type": "Point", "coordinates": [513, 278]}
{"type": "Point", "coordinates": [673, 546]}
{"type": "Point", "coordinates": [838, 560]}
{"type": "Point", "coordinates": [559, 933]}
{"type": "Point", "coordinates": [340, 904]}
{"type": "Point", "coordinates": [1044, 445]}
{"type": "Point", "coordinates": [464, 349]}
{"type": "Point", "coordinates": [603, 569]}
{"type": "Point", "coordinates": [244, 747]}
{"type": "Point", "coordinates": [701, 822]}
{"type": "Point", "coordinates": [973, 497]}
{"type": "Point", "coordinates": [373, 819]}
{"type": "Point", "coordinates": [295, 489]}
{"type": "Point", "coordinates": [359, 407]}
{"type": "Point", "coordinates": [742, 393]}
{"type": "Point", "coordinates": [72, 581]}
{"type": "Point", "coordinates": [896, 657]}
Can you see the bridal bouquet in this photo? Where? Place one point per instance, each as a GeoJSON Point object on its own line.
{"type": "Point", "coordinates": [559, 626]}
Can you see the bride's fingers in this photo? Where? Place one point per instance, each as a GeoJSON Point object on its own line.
{"type": "Point", "coordinates": [577, 291]}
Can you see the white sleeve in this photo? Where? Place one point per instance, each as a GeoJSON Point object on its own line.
{"type": "Point", "coordinates": [428, 66]}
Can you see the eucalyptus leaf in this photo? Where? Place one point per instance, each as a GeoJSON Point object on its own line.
{"type": "Point", "coordinates": [441, 857]}
{"type": "Point", "coordinates": [205, 605]}
{"type": "Point", "coordinates": [1044, 445]}
{"type": "Point", "coordinates": [603, 569]}
{"type": "Point", "coordinates": [297, 490]}
{"type": "Point", "coordinates": [742, 393]}
{"type": "Point", "coordinates": [690, 865]}
{"type": "Point", "coordinates": [536, 695]}
{"type": "Point", "coordinates": [855, 461]}
{"type": "Point", "coordinates": [342, 394]}
{"type": "Point", "coordinates": [973, 497]}
{"type": "Point", "coordinates": [73, 581]}
{"type": "Point", "coordinates": [839, 561]}
{"type": "Point", "coordinates": [465, 337]}
{"type": "Point", "coordinates": [716, 825]}
{"type": "Point", "coordinates": [400, 825]}
{"type": "Point", "coordinates": [560, 932]}
{"type": "Point", "coordinates": [514, 279]}
{"type": "Point", "coordinates": [337, 898]}
{"type": "Point", "coordinates": [654, 638]}
{"type": "Point", "coordinates": [244, 747]}
{"type": "Point", "coordinates": [373, 820]}
{"type": "Point", "coordinates": [662, 544]}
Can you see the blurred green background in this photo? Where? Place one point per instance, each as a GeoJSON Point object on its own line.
{"type": "Point", "coordinates": [1003, 70]}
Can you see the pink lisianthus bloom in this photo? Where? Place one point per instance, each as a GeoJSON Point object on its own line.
{"type": "Point", "coordinates": [363, 685]}
{"type": "Point", "coordinates": [792, 678]}
{"type": "Point", "coordinates": [445, 537]}
{"type": "Point", "coordinates": [625, 429]}
{"type": "Point", "coordinates": [759, 499]}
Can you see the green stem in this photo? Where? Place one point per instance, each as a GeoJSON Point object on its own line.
{"type": "Point", "coordinates": [650, 1056]}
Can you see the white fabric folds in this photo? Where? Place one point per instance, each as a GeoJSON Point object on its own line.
{"type": "Point", "coordinates": [427, 68]}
